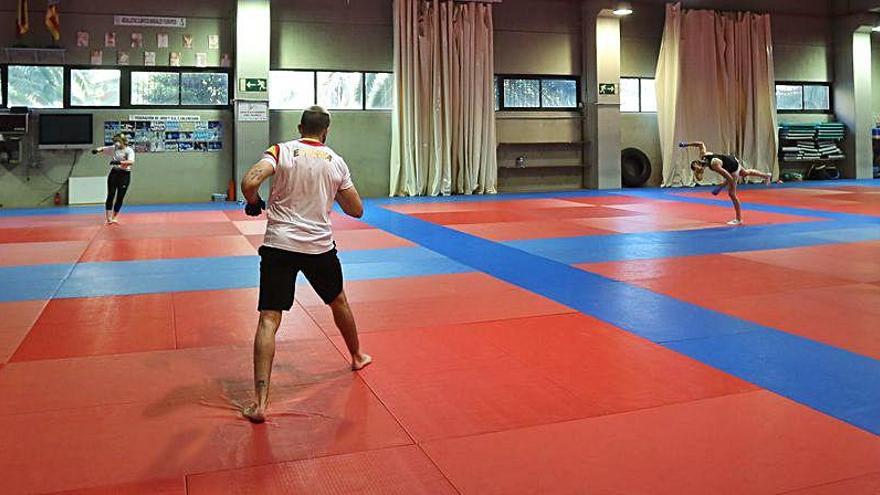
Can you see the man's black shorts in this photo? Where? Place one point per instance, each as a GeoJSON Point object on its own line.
{"type": "Point", "coordinates": [278, 270]}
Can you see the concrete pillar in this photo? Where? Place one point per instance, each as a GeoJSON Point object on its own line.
{"type": "Point", "coordinates": [253, 23]}
{"type": "Point", "coordinates": [853, 94]}
{"type": "Point", "coordinates": [602, 111]}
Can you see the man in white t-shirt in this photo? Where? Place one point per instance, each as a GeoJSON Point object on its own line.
{"type": "Point", "coordinates": [307, 178]}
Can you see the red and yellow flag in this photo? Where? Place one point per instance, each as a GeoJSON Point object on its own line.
{"type": "Point", "coordinates": [53, 21]}
{"type": "Point", "coordinates": [21, 21]}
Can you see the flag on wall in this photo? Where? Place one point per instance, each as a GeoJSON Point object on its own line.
{"type": "Point", "coordinates": [21, 21]}
{"type": "Point", "coordinates": [53, 21]}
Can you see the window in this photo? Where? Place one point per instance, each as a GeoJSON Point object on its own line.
{"type": "Point", "coordinates": [522, 93]}
{"type": "Point", "coordinates": [630, 95]}
{"type": "Point", "coordinates": [803, 97]}
{"type": "Point", "coordinates": [341, 90]}
{"type": "Point", "coordinates": [817, 97]}
{"type": "Point", "coordinates": [638, 94]}
{"type": "Point", "coordinates": [94, 87]}
{"type": "Point", "coordinates": [648, 92]}
{"type": "Point", "coordinates": [36, 86]}
{"type": "Point", "coordinates": [789, 97]}
{"type": "Point", "coordinates": [534, 93]}
{"type": "Point", "coordinates": [204, 88]}
{"type": "Point", "coordinates": [291, 90]}
{"type": "Point", "coordinates": [155, 88]}
{"type": "Point", "coordinates": [559, 93]}
{"type": "Point", "coordinates": [379, 90]}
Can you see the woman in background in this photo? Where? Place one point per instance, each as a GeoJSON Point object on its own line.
{"type": "Point", "coordinates": [728, 167]}
{"type": "Point", "coordinates": [120, 174]}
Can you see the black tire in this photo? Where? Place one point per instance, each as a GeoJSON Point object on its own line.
{"type": "Point", "coordinates": [635, 167]}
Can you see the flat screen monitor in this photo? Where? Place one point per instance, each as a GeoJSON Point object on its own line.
{"type": "Point", "coordinates": [66, 131]}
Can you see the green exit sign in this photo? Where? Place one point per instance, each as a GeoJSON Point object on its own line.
{"type": "Point", "coordinates": [607, 89]}
{"type": "Point", "coordinates": [254, 85]}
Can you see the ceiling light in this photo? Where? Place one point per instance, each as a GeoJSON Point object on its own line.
{"type": "Point", "coordinates": [622, 9]}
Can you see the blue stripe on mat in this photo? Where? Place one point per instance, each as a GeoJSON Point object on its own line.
{"type": "Point", "coordinates": [622, 247]}
{"type": "Point", "coordinates": [837, 382]}
{"type": "Point", "coordinates": [191, 274]}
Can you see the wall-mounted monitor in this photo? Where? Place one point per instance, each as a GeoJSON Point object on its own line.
{"type": "Point", "coordinates": [62, 131]}
{"type": "Point", "coordinates": [15, 124]}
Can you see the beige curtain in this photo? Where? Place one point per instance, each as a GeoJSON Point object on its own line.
{"type": "Point", "coordinates": [443, 124]}
{"type": "Point", "coordinates": [715, 83]}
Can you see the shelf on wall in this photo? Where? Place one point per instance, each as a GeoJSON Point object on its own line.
{"type": "Point", "coordinates": [540, 166]}
{"type": "Point", "coordinates": [35, 55]}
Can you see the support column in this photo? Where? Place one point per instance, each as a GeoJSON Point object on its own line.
{"type": "Point", "coordinates": [253, 24]}
{"type": "Point", "coordinates": [853, 94]}
{"type": "Point", "coordinates": [602, 111]}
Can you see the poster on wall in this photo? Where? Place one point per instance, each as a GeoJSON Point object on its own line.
{"type": "Point", "coordinates": [110, 40]}
{"type": "Point", "coordinates": [162, 40]}
{"type": "Point", "coordinates": [174, 59]}
{"type": "Point", "coordinates": [157, 136]}
{"type": "Point", "coordinates": [82, 39]}
{"type": "Point", "coordinates": [253, 111]}
{"type": "Point", "coordinates": [97, 57]}
{"type": "Point", "coordinates": [213, 42]}
{"type": "Point", "coordinates": [201, 59]}
{"type": "Point", "coordinates": [149, 21]}
{"type": "Point", "coordinates": [122, 58]}
{"type": "Point", "coordinates": [188, 41]}
{"type": "Point", "coordinates": [149, 59]}
{"type": "Point", "coordinates": [137, 40]}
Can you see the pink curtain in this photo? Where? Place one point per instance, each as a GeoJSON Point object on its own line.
{"type": "Point", "coordinates": [443, 127]}
{"type": "Point", "coordinates": [715, 83]}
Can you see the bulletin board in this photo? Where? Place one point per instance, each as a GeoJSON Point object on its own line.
{"type": "Point", "coordinates": [149, 136]}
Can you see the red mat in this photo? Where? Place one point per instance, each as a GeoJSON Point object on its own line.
{"type": "Point", "coordinates": [869, 484]}
{"type": "Point", "coordinates": [858, 262]}
{"type": "Point", "coordinates": [127, 443]}
{"type": "Point", "coordinates": [100, 325]}
{"type": "Point", "coordinates": [511, 204]}
{"type": "Point", "coordinates": [164, 248]}
{"type": "Point", "coordinates": [48, 234]}
{"type": "Point", "coordinates": [426, 309]}
{"type": "Point", "coordinates": [159, 487]}
{"type": "Point", "coordinates": [207, 376]}
{"type": "Point", "coordinates": [537, 229]}
{"type": "Point", "coordinates": [209, 318]}
{"type": "Point", "coordinates": [18, 318]}
{"type": "Point", "coordinates": [400, 470]}
{"type": "Point", "coordinates": [41, 253]}
{"type": "Point", "coordinates": [755, 442]}
{"type": "Point", "coordinates": [452, 381]}
{"type": "Point", "coordinates": [124, 230]}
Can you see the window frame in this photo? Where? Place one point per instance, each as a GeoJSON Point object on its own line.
{"type": "Point", "coordinates": [230, 86]}
{"type": "Point", "coordinates": [502, 107]}
{"type": "Point", "coordinates": [65, 85]}
{"type": "Point", "coordinates": [68, 88]}
{"type": "Point", "coordinates": [315, 72]}
{"type": "Point", "coordinates": [4, 88]}
{"type": "Point", "coordinates": [364, 86]}
{"type": "Point", "coordinates": [124, 85]}
{"type": "Point", "coordinates": [363, 89]}
{"type": "Point", "coordinates": [641, 107]}
{"type": "Point", "coordinates": [803, 85]}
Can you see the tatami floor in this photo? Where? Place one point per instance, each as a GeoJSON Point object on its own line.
{"type": "Point", "coordinates": [624, 342]}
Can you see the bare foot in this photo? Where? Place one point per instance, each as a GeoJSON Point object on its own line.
{"type": "Point", "coordinates": [360, 362]}
{"type": "Point", "coordinates": [254, 414]}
